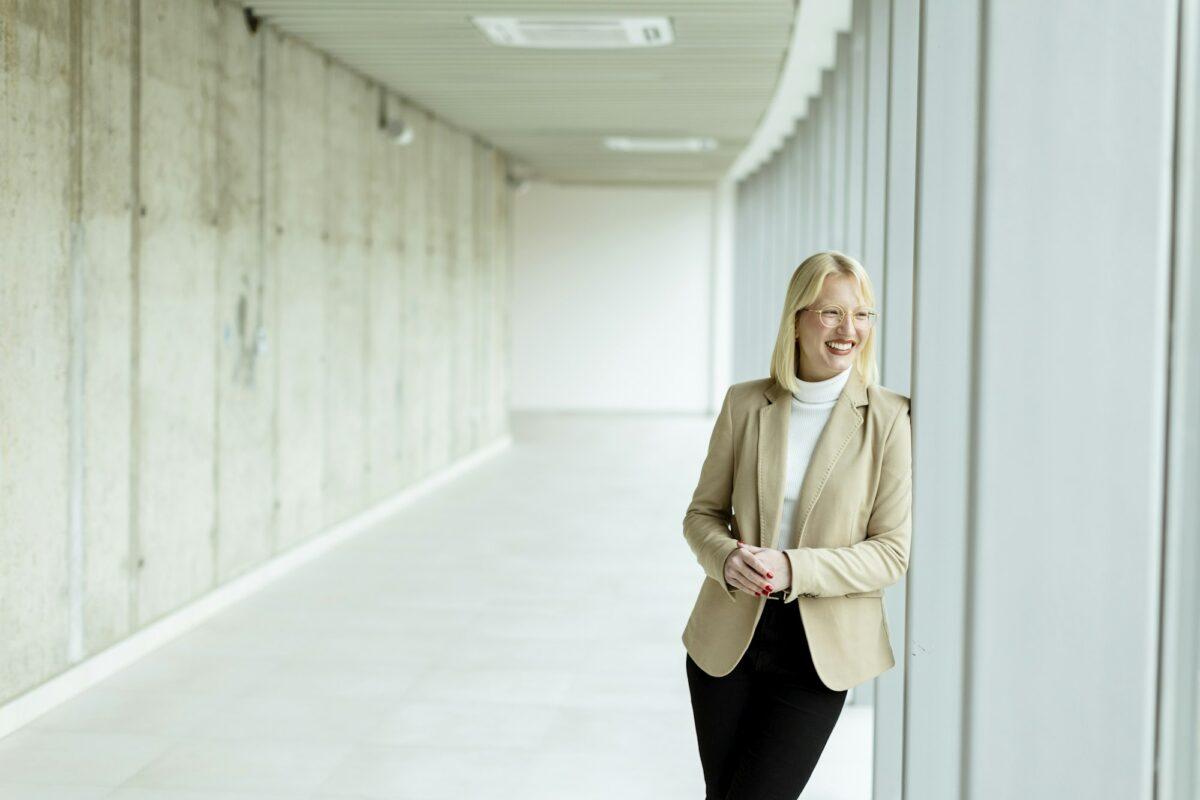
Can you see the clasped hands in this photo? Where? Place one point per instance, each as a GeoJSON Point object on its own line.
{"type": "Point", "coordinates": [757, 570]}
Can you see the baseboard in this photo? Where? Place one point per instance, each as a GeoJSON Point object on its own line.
{"type": "Point", "coordinates": [62, 687]}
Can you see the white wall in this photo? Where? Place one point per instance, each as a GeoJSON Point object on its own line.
{"type": "Point", "coordinates": [1035, 577]}
{"type": "Point", "coordinates": [1027, 202]}
{"type": "Point", "coordinates": [612, 300]}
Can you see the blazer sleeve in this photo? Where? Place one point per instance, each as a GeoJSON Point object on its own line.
{"type": "Point", "coordinates": [706, 525]}
{"type": "Point", "coordinates": [882, 558]}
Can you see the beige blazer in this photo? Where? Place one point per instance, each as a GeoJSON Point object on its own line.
{"type": "Point", "coordinates": [854, 516]}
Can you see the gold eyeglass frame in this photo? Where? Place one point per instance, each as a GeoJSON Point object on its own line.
{"type": "Point", "coordinates": [873, 319]}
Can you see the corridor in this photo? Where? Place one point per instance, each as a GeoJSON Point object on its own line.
{"type": "Point", "coordinates": [359, 362]}
{"type": "Point", "coordinates": [512, 634]}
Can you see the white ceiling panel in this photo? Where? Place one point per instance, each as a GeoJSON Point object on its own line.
{"type": "Point", "coordinates": [550, 109]}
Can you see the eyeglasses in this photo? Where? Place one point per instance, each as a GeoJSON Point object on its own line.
{"type": "Point", "coordinates": [832, 316]}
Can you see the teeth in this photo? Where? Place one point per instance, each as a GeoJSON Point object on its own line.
{"type": "Point", "coordinates": [840, 346]}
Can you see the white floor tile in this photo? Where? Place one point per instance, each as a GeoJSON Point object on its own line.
{"type": "Point", "coordinates": [428, 773]}
{"type": "Point", "coordinates": [514, 635]}
{"type": "Point", "coordinates": [66, 758]}
{"type": "Point", "coordinates": [267, 766]}
{"type": "Point", "coordinates": [32, 791]}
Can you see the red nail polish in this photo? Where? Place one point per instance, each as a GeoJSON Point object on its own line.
{"type": "Point", "coordinates": [770, 574]}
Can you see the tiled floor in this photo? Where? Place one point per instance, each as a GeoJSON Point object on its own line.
{"type": "Point", "coordinates": [513, 635]}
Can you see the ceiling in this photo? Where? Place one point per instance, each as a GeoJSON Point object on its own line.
{"type": "Point", "coordinates": [550, 109]}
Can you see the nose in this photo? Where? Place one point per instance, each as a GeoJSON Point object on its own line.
{"type": "Point", "coordinates": [846, 328]}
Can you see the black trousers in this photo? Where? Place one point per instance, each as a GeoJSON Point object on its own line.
{"type": "Point", "coordinates": [762, 727]}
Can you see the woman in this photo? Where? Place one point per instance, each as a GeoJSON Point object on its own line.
{"type": "Point", "coordinates": [805, 495]}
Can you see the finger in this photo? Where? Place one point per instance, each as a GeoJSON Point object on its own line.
{"type": "Point", "coordinates": [762, 577]}
{"type": "Point", "coordinates": [739, 576]}
{"type": "Point", "coordinates": [758, 565]}
{"type": "Point", "coordinates": [751, 577]}
{"type": "Point", "coordinates": [755, 567]}
{"type": "Point", "coordinates": [734, 578]}
{"type": "Point", "coordinates": [745, 587]}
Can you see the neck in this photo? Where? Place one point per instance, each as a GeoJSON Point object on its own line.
{"type": "Point", "coordinates": [822, 391]}
{"type": "Point", "coordinates": [808, 375]}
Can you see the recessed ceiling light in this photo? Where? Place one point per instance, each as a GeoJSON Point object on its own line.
{"type": "Point", "coordinates": [584, 32]}
{"type": "Point", "coordinates": [690, 144]}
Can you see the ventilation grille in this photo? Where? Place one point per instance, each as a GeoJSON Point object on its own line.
{"type": "Point", "coordinates": [577, 32]}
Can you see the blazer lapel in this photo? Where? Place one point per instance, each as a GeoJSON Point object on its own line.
{"type": "Point", "coordinates": [844, 420]}
{"type": "Point", "coordinates": [772, 459]}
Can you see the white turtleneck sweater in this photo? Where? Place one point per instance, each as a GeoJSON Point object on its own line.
{"type": "Point", "coordinates": [812, 404]}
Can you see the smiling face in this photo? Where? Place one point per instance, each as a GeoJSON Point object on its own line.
{"type": "Point", "coordinates": [818, 359]}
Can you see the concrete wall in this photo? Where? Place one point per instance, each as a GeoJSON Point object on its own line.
{"type": "Point", "coordinates": [613, 303]}
{"type": "Point", "coordinates": [232, 313]}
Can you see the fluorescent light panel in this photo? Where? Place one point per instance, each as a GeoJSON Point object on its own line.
{"type": "Point", "coordinates": [689, 144]}
{"type": "Point", "coordinates": [577, 32]}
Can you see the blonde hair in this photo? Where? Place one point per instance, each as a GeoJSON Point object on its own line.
{"type": "Point", "coordinates": [803, 289]}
